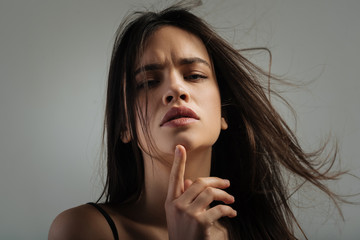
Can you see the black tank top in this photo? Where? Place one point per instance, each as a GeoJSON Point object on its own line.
{"type": "Point", "coordinates": [108, 219]}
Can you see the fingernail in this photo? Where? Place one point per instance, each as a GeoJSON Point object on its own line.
{"type": "Point", "coordinates": [177, 151]}
{"type": "Point", "coordinates": [227, 181]}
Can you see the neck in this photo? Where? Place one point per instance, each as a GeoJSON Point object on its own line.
{"type": "Point", "coordinates": [156, 182]}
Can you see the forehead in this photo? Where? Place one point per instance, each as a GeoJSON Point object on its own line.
{"type": "Point", "coordinates": [169, 43]}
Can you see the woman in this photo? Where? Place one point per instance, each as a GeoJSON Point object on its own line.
{"type": "Point", "coordinates": [195, 150]}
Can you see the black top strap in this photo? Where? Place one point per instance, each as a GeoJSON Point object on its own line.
{"type": "Point", "coordinates": [108, 219]}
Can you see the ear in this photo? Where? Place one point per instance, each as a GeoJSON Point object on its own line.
{"type": "Point", "coordinates": [224, 124]}
{"type": "Point", "coordinates": [125, 137]}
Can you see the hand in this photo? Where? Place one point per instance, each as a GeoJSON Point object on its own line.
{"type": "Point", "coordinates": [187, 204]}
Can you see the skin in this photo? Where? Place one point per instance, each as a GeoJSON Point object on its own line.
{"type": "Point", "coordinates": [174, 82]}
{"type": "Point", "coordinates": [178, 189]}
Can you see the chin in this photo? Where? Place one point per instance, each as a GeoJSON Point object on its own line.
{"type": "Point", "coordinates": [190, 146]}
{"type": "Point", "coordinates": [191, 142]}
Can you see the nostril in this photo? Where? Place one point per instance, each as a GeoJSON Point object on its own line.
{"type": "Point", "coordinates": [168, 99]}
{"type": "Point", "coordinates": [183, 96]}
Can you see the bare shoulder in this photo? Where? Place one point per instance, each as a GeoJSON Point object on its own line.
{"type": "Point", "coordinates": [82, 222]}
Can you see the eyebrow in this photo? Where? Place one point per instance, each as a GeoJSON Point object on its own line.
{"type": "Point", "coordinates": [182, 61]}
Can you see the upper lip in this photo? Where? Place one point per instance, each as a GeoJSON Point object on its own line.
{"type": "Point", "coordinates": [179, 112]}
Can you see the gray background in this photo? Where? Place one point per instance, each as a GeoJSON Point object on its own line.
{"type": "Point", "coordinates": [53, 64]}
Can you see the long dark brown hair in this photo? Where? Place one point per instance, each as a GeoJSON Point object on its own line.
{"type": "Point", "coordinates": [253, 153]}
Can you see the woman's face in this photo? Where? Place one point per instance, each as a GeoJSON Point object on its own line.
{"type": "Point", "coordinates": [183, 99]}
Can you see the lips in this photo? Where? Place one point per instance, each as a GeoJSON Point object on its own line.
{"type": "Point", "coordinates": [178, 113]}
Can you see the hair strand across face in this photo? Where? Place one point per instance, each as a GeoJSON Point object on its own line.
{"type": "Point", "coordinates": [253, 153]}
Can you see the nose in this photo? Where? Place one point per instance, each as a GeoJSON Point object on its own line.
{"type": "Point", "coordinates": [176, 91]}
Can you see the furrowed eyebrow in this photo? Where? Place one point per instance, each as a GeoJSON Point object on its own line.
{"type": "Point", "coordinates": [149, 67]}
{"type": "Point", "coordinates": [185, 61]}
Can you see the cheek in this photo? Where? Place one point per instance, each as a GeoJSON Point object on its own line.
{"type": "Point", "coordinates": [211, 107]}
{"type": "Point", "coordinates": [214, 102]}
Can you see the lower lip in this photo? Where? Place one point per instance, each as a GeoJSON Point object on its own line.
{"type": "Point", "coordinates": [179, 122]}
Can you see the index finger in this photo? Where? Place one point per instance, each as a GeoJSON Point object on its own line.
{"type": "Point", "coordinates": [176, 179]}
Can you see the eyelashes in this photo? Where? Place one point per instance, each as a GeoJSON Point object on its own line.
{"type": "Point", "coordinates": [194, 77]}
{"type": "Point", "coordinates": [147, 84]}
{"type": "Point", "coordinates": [152, 83]}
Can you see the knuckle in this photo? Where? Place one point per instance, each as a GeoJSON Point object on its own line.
{"type": "Point", "coordinates": [178, 206]}
{"type": "Point", "coordinates": [200, 181]}
{"type": "Point", "coordinates": [224, 209]}
{"type": "Point", "coordinates": [219, 208]}
{"type": "Point", "coordinates": [210, 191]}
{"type": "Point", "coordinates": [174, 205]}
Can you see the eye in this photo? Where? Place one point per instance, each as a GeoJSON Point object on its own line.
{"type": "Point", "coordinates": [195, 77]}
{"type": "Point", "coordinates": [147, 84]}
